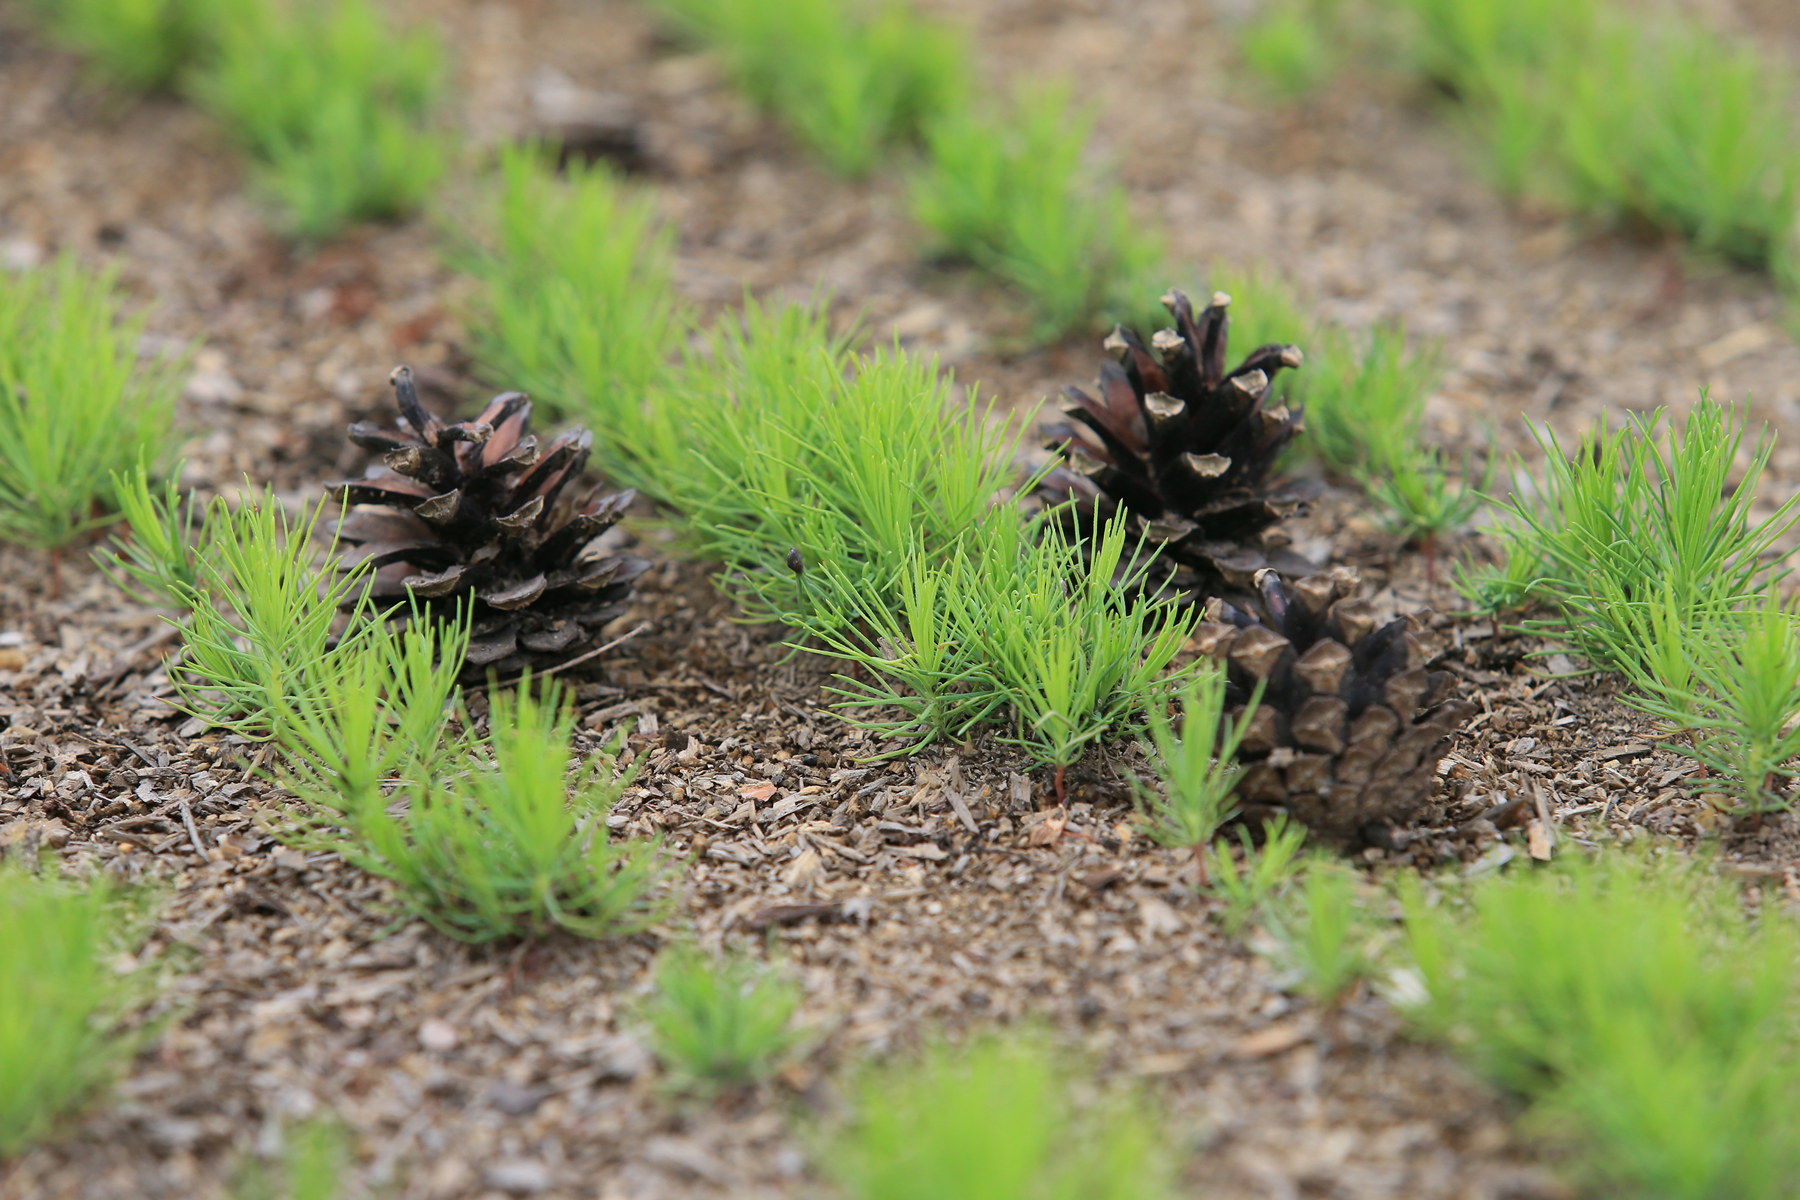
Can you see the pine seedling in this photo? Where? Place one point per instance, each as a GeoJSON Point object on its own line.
{"type": "Point", "coordinates": [315, 1156]}
{"type": "Point", "coordinates": [1248, 888]}
{"type": "Point", "coordinates": [512, 844]}
{"type": "Point", "coordinates": [1735, 684]}
{"type": "Point", "coordinates": [1195, 763]}
{"type": "Point", "coordinates": [1321, 932]}
{"type": "Point", "coordinates": [1420, 501]}
{"type": "Point", "coordinates": [140, 45]}
{"type": "Point", "coordinates": [76, 408]}
{"type": "Point", "coordinates": [577, 304]}
{"type": "Point", "coordinates": [379, 710]}
{"type": "Point", "coordinates": [60, 1029]}
{"type": "Point", "coordinates": [1649, 1025]}
{"type": "Point", "coordinates": [157, 560]}
{"type": "Point", "coordinates": [719, 1022]}
{"type": "Point", "coordinates": [850, 79]}
{"type": "Point", "coordinates": [258, 635]}
{"type": "Point", "coordinates": [1002, 1118]}
{"type": "Point", "coordinates": [1623, 519]}
{"type": "Point", "coordinates": [1290, 46]}
{"type": "Point", "coordinates": [1007, 190]}
{"type": "Point", "coordinates": [1015, 625]}
{"type": "Point", "coordinates": [1076, 658]}
{"type": "Point", "coordinates": [337, 108]}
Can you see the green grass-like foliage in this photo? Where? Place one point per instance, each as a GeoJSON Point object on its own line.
{"type": "Point", "coordinates": [315, 1156]}
{"type": "Point", "coordinates": [259, 606]}
{"type": "Point", "coordinates": [1195, 762]}
{"type": "Point", "coordinates": [1293, 46]}
{"type": "Point", "coordinates": [1247, 888]}
{"type": "Point", "coordinates": [1009, 188]}
{"type": "Point", "coordinates": [719, 1021]}
{"type": "Point", "coordinates": [59, 1028]}
{"type": "Point", "coordinates": [1655, 120]}
{"type": "Point", "coordinates": [139, 45]}
{"type": "Point", "coordinates": [577, 304]}
{"type": "Point", "coordinates": [504, 841]}
{"type": "Point", "coordinates": [1015, 626]}
{"type": "Point", "coordinates": [1364, 395]}
{"type": "Point", "coordinates": [850, 78]}
{"type": "Point", "coordinates": [1648, 1023]}
{"type": "Point", "coordinates": [1002, 1118]}
{"type": "Point", "coordinates": [1733, 683]}
{"type": "Point", "coordinates": [75, 404]}
{"type": "Point", "coordinates": [1636, 521]}
{"type": "Point", "coordinates": [1321, 932]}
{"type": "Point", "coordinates": [338, 109]}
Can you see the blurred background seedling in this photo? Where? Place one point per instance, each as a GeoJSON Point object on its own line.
{"type": "Point", "coordinates": [719, 1021]}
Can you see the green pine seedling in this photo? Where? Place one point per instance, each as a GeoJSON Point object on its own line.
{"type": "Point", "coordinates": [156, 561]}
{"type": "Point", "coordinates": [1010, 624]}
{"type": "Point", "coordinates": [1735, 685]}
{"type": "Point", "coordinates": [851, 80]}
{"type": "Point", "coordinates": [1008, 189]}
{"type": "Point", "coordinates": [76, 407]}
{"type": "Point", "coordinates": [508, 843]}
{"type": "Point", "coordinates": [1661, 122]}
{"type": "Point", "coordinates": [379, 710]}
{"type": "Point", "coordinates": [1420, 501]}
{"type": "Point", "coordinates": [1003, 1118]}
{"type": "Point", "coordinates": [258, 634]}
{"type": "Point", "coordinates": [139, 45]}
{"type": "Point", "coordinates": [61, 1034]}
{"type": "Point", "coordinates": [577, 303]}
{"type": "Point", "coordinates": [315, 1155]}
{"type": "Point", "coordinates": [1625, 520]}
{"type": "Point", "coordinates": [1648, 1024]}
{"type": "Point", "coordinates": [719, 1021]}
{"type": "Point", "coordinates": [1248, 889]}
{"type": "Point", "coordinates": [1321, 931]}
{"type": "Point", "coordinates": [1292, 47]}
{"type": "Point", "coordinates": [338, 109]}
{"type": "Point", "coordinates": [1196, 764]}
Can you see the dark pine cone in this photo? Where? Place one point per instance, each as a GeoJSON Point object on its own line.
{"type": "Point", "coordinates": [1185, 446]}
{"type": "Point", "coordinates": [474, 510]}
{"type": "Point", "coordinates": [1351, 726]}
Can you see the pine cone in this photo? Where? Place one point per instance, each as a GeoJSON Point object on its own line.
{"type": "Point", "coordinates": [1350, 730]}
{"type": "Point", "coordinates": [473, 509]}
{"type": "Point", "coordinates": [1183, 445]}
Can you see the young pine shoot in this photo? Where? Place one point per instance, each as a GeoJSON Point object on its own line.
{"type": "Point", "coordinates": [1196, 764]}
{"type": "Point", "coordinates": [1625, 520]}
{"type": "Point", "coordinates": [1010, 191]}
{"type": "Point", "coordinates": [1734, 684]}
{"type": "Point", "coordinates": [1649, 1025]}
{"type": "Point", "coordinates": [139, 45]}
{"type": "Point", "coordinates": [339, 109]}
{"type": "Point", "coordinates": [157, 560]}
{"type": "Point", "coordinates": [1249, 886]}
{"type": "Point", "coordinates": [719, 1021]}
{"type": "Point", "coordinates": [259, 634]}
{"type": "Point", "coordinates": [76, 407]}
{"type": "Point", "coordinates": [849, 79]}
{"type": "Point", "coordinates": [315, 1156]}
{"type": "Point", "coordinates": [60, 1035]}
{"type": "Point", "coordinates": [1321, 932]}
{"type": "Point", "coordinates": [507, 843]}
{"type": "Point", "coordinates": [577, 302]}
{"type": "Point", "coordinates": [1002, 1118]}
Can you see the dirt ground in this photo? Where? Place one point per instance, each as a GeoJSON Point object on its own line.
{"type": "Point", "coordinates": [906, 896]}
